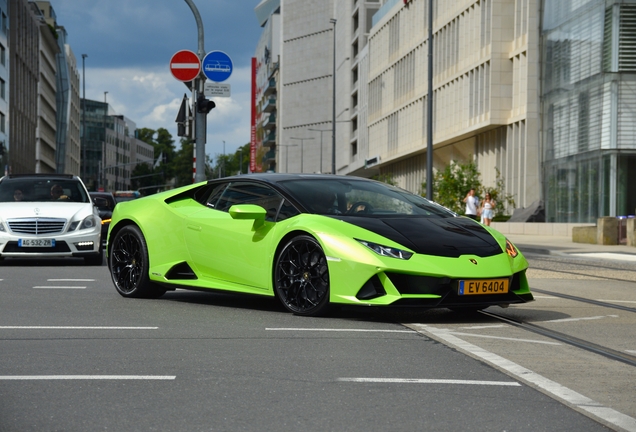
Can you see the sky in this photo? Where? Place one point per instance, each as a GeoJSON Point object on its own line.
{"type": "Point", "coordinates": [129, 44]}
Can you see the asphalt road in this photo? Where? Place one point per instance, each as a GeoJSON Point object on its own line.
{"type": "Point", "coordinates": [75, 356]}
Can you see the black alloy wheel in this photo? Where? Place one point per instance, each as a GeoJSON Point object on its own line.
{"type": "Point", "coordinates": [301, 279]}
{"type": "Point", "coordinates": [129, 264]}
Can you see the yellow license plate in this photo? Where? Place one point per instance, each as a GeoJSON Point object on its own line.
{"type": "Point", "coordinates": [483, 286]}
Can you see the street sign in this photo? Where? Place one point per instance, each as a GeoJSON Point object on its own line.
{"type": "Point", "coordinates": [217, 66]}
{"type": "Point", "coordinates": [185, 65]}
{"type": "Point", "coordinates": [213, 89]}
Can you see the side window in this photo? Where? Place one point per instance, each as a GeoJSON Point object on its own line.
{"type": "Point", "coordinates": [212, 196]}
{"type": "Point", "coordinates": [250, 193]}
{"type": "Point", "coordinates": [287, 210]}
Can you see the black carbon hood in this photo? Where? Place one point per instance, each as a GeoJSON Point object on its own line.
{"type": "Point", "coordinates": [448, 237]}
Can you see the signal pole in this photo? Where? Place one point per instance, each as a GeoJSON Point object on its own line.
{"type": "Point", "coordinates": [200, 120]}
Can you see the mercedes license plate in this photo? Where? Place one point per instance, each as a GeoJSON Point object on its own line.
{"type": "Point", "coordinates": [36, 243]}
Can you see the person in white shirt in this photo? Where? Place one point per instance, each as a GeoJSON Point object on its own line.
{"type": "Point", "coordinates": [472, 204]}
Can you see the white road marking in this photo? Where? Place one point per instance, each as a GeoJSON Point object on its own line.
{"type": "Point", "coordinates": [505, 338]}
{"type": "Point", "coordinates": [616, 301]}
{"type": "Point", "coordinates": [430, 381]}
{"type": "Point", "coordinates": [70, 280]}
{"type": "Point", "coordinates": [546, 297]}
{"type": "Point", "coordinates": [58, 287]}
{"type": "Point", "coordinates": [582, 318]}
{"type": "Point", "coordinates": [73, 328]}
{"type": "Point", "coordinates": [526, 375]}
{"type": "Point", "coordinates": [631, 351]}
{"type": "Point", "coordinates": [482, 327]}
{"type": "Point", "coordinates": [607, 255]}
{"type": "Point", "coordinates": [87, 377]}
{"type": "Point", "coordinates": [338, 330]}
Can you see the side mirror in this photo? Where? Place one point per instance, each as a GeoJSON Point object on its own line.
{"type": "Point", "coordinates": [100, 202]}
{"type": "Point", "coordinates": [247, 211]}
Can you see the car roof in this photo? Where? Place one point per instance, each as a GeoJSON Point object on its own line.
{"type": "Point", "coordinates": [40, 175]}
{"type": "Point", "coordinates": [281, 177]}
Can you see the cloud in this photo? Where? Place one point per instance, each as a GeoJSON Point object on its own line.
{"type": "Point", "coordinates": [152, 99]}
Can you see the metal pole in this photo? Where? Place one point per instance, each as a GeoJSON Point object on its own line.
{"type": "Point", "coordinates": [223, 160]}
{"type": "Point", "coordinates": [241, 160]}
{"type": "Point", "coordinates": [429, 109]}
{"type": "Point", "coordinates": [103, 179]}
{"type": "Point", "coordinates": [321, 131]}
{"type": "Point", "coordinates": [83, 164]}
{"type": "Point", "coordinates": [197, 89]}
{"type": "Point", "coordinates": [333, 115]}
{"type": "Point", "coordinates": [302, 142]}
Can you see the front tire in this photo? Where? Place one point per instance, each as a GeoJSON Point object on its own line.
{"type": "Point", "coordinates": [129, 265]}
{"type": "Point", "coordinates": [301, 277]}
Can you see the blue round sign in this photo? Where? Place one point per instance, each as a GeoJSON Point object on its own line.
{"type": "Point", "coordinates": [217, 66]}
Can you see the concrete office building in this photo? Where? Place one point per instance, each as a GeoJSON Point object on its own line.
{"type": "Point", "coordinates": [4, 88]}
{"type": "Point", "coordinates": [46, 131]}
{"type": "Point", "coordinates": [24, 35]}
{"type": "Point", "coordinates": [485, 84]}
{"type": "Point", "coordinates": [67, 148]}
{"type": "Point", "coordinates": [264, 145]}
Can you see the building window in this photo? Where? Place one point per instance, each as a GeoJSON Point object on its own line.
{"type": "Point", "coordinates": [3, 55]}
{"type": "Point", "coordinates": [3, 123]}
{"type": "Point", "coordinates": [3, 87]}
{"type": "Point", "coordinates": [3, 23]}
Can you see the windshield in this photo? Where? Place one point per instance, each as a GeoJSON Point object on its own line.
{"type": "Point", "coordinates": [361, 198]}
{"type": "Point", "coordinates": [42, 189]}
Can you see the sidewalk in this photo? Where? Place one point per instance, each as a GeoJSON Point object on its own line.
{"type": "Point", "coordinates": [562, 245]}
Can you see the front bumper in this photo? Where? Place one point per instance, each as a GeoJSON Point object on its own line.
{"type": "Point", "coordinates": [74, 244]}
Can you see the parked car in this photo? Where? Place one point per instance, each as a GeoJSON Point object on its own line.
{"type": "Point", "coordinates": [48, 215]}
{"type": "Point", "coordinates": [121, 196]}
{"type": "Point", "coordinates": [312, 241]}
{"type": "Point", "coordinates": [105, 203]}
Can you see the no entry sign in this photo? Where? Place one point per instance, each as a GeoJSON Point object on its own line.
{"type": "Point", "coordinates": [185, 65]}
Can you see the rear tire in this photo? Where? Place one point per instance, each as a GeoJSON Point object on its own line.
{"type": "Point", "coordinates": [129, 265]}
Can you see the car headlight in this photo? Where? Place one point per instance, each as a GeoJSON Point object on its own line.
{"type": "Point", "coordinates": [387, 251]}
{"type": "Point", "coordinates": [511, 249]}
{"type": "Point", "coordinates": [2, 229]}
{"type": "Point", "coordinates": [88, 222]}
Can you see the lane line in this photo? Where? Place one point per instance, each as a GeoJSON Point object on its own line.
{"type": "Point", "coordinates": [607, 255]}
{"type": "Point", "coordinates": [337, 330]}
{"type": "Point", "coordinates": [581, 319]}
{"type": "Point", "coordinates": [482, 327]}
{"type": "Point", "coordinates": [430, 381]}
{"type": "Point", "coordinates": [545, 297]}
{"type": "Point", "coordinates": [616, 301]}
{"type": "Point", "coordinates": [583, 403]}
{"type": "Point", "coordinates": [505, 338]}
{"type": "Point", "coordinates": [86, 377]}
{"type": "Point", "coordinates": [70, 280]}
{"type": "Point", "coordinates": [58, 287]}
{"type": "Point", "coordinates": [74, 328]}
{"type": "Point", "coordinates": [631, 351]}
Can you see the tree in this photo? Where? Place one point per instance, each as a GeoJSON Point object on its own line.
{"type": "Point", "coordinates": [453, 183]}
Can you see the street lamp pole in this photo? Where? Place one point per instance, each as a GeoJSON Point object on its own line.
{"type": "Point", "coordinates": [103, 179]}
{"type": "Point", "coordinates": [321, 131]}
{"type": "Point", "coordinates": [333, 115]}
{"type": "Point", "coordinates": [83, 137]}
{"type": "Point", "coordinates": [302, 145]}
{"type": "Point", "coordinates": [287, 154]}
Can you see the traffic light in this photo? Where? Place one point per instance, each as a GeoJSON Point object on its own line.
{"type": "Point", "coordinates": [204, 105]}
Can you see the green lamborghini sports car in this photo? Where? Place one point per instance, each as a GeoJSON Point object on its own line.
{"type": "Point", "coordinates": [312, 241]}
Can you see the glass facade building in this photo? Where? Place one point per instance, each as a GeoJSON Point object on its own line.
{"type": "Point", "coordinates": [588, 109]}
